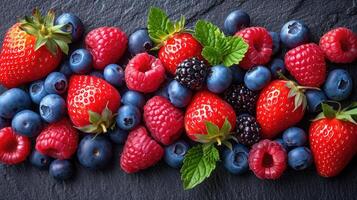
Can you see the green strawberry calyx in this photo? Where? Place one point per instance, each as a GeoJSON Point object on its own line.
{"type": "Point", "coordinates": [46, 33]}
{"type": "Point", "coordinates": [347, 114]}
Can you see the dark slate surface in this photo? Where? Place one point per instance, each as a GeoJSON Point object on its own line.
{"type": "Point", "coordinates": [24, 182]}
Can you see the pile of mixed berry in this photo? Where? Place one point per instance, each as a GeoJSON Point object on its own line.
{"type": "Point", "coordinates": [189, 97]}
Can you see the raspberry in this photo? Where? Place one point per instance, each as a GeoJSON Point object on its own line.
{"type": "Point", "coordinates": [339, 45]}
{"type": "Point", "coordinates": [58, 140]}
{"type": "Point", "coordinates": [267, 159]}
{"type": "Point", "coordinates": [242, 99]}
{"type": "Point", "coordinates": [247, 130]}
{"type": "Point", "coordinates": [164, 121]}
{"type": "Point", "coordinates": [144, 73]}
{"type": "Point", "coordinates": [191, 73]}
{"type": "Point", "coordinates": [13, 148]}
{"type": "Point", "coordinates": [260, 46]}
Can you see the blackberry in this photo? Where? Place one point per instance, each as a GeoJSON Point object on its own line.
{"type": "Point", "coordinates": [191, 73]}
{"type": "Point", "coordinates": [242, 99]}
{"type": "Point", "coordinates": [247, 130]}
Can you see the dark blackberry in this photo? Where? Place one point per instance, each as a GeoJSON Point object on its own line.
{"type": "Point", "coordinates": [191, 73]}
{"type": "Point", "coordinates": [247, 130]}
{"type": "Point", "coordinates": [242, 99]}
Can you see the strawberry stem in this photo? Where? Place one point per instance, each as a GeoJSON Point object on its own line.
{"type": "Point", "coordinates": [104, 128]}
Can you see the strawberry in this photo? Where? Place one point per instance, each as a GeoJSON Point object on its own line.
{"type": "Point", "coordinates": [107, 45]}
{"type": "Point", "coordinates": [280, 105]}
{"type": "Point", "coordinates": [91, 103]}
{"type": "Point", "coordinates": [333, 139]}
{"type": "Point", "coordinates": [164, 121]}
{"type": "Point", "coordinates": [140, 151]}
{"type": "Point", "coordinates": [32, 49]}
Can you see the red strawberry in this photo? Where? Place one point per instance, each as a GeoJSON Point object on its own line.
{"type": "Point", "coordinates": [91, 103]}
{"type": "Point", "coordinates": [58, 140]}
{"type": "Point", "coordinates": [207, 107]}
{"type": "Point", "coordinates": [13, 148]}
{"type": "Point", "coordinates": [333, 140]}
{"type": "Point", "coordinates": [164, 121]}
{"type": "Point", "coordinates": [144, 73]}
{"type": "Point", "coordinates": [140, 151]}
{"type": "Point", "coordinates": [306, 63]}
{"type": "Point", "coordinates": [107, 45]}
{"type": "Point", "coordinates": [26, 55]}
{"type": "Point", "coordinates": [280, 105]}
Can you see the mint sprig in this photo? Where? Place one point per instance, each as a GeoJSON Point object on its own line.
{"type": "Point", "coordinates": [217, 48]}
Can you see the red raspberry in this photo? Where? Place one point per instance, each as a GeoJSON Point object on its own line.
{"type": "Point", "coordinates": [260, 46]}
{"type": "Point", "coordinates": [339, 45]}
{"type": "Point", "coordinates": [144, 73]}
{"type": "Point", "coordinates": [164, 121]}
{"type": "Point", "coordinates": [177, 49]}
{"type": "Point", "coordinates": [306, 63]}
{"type": "Point", "coordinates": [107, 45]}
{"type": "Point", "coordinates": [13, 148]}
{"type": "Point", "coordinates": [140, 151]}
{"type": "Point", "coordinates": [58, 140]}
{"type": "Point", "coordinates": [267, 159]}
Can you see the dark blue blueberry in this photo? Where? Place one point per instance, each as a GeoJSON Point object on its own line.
{"type": "Point", "coordinates": [72, 24]}
{"type": "Point", "coordinates": [314, 100]}
{"type": "Point", "coordinates": [294, 137]}
{"type": "Point", "coordinates": [277, 65]}
{"type": "Point", "coordinates": [179, 95]}
{"type": "Point", "coordinates": [4, 123]}
{"type": "Point", "coordinates": [257, 78]}
{"type": "Point", "coordinates": [27, 123]}
{"type": "Point", "coordinates": [338, 85]}
{"type": "Point", "coordinates": [282, 143]}
{"type": "Point", "coordinates": [237, 74]}
{"type": "Point", "coordinates": [37, 91]}
{"type": "Point", "coordinates": [114, 74]}
{"type": "Point", "coordinates": [236, 21]}
{"type": "Point", "coordinates": [219, 78]}
{"type": "Point", "coordinates": [56, 83]}
{"type": "Point", "coordinates": [128, 117]}
{"type": "Point", "coordinates": [39, 160]}
{"type": "Point", "coordinates": [276, 41]}
{"type": "Point", "coordinates": [97, 74]}
{"type": "Point", "coordinates": [80, 61]}
{"type": "Point", "coordinates": [163, 91]}
{"type": "Point", "coordinates": [13, 101]}
{"type": "Point", "coordinates": [66, 69]}
{"type": "Point", "coordinates": [236, 160]}
{"type": "Point", "coordinates": [300, 158]}
{"type": "Point", "coordinates": [175, 153]}
{"type": "Point", "coordinates": [52, 108]}
{"type": "Point", "coordinates": [94, 152]}
{"type": "Point", "coordinates": [118, 136]}
{"type": "Point", "coordinates": [294, 33]}
{"type": "Point", "coordinates": [2, 89]}
{"type": "Point", "coordinates": [61, 169]}
{"type": "Point", "coordinates": [134, 98]}
{"type": "Point", "coordinates": [139, 42]}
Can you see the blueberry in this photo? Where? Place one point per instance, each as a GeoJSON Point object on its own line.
{"type": "Point", "coordinates": [72, 24]}
{"type": "Point", "coordinates": [163, 91]}
{"type": "Point", "coordinates": [237, 74]}
{"type": "Point", "coordinates": [179, 95]}
{"type": "Point", "coordinates": [39, 160]}
{"type": "Point", "coordinates": [300, 158]}
{"type": "Point", "coordinates": [294, 137]}
{"type": "Point", "coordinates": [94, 152]}
{"type": "Point", "coordinates": [235, 21]}
{"type": "Point", "coordinates": [61, 169]}
{"type": "Point", "coordinates": [236, 160]}
{"type": "Point", "coordinates": [128, 117]}
{"type": "Point", "coordinates": [118, 136]}
{"type": "Point", "coordinates": [37, 91]}
{"type": "Point", "coordinates": [134, 98]}
{"type": "Point", "coordinates": [66, 69]}
{"type": "Point", "coordinates": [80, 61]}
{"type": "Point", "coordinates": [314, 100]}
{"type": "Point", "coordinates": [257, 78]}
{"type": "Point", "coordinates": [175, 153]}
{"type": "Point", "coordinates": [282, 143]}
{"type": "Point", "coordinates": [294, 33]}
{"type": "Point", "coordinates": [219, 78]}
{"type": "Point", "coordinates": [56, 83]}
{"type": "Point", "coordinates": [2, 89]}
{"type": "Point", "coordinates": [139, 42]}
{"type": "Point", "coordinates": [52, 108]}
{"type": "Point", "coordinates": [276, 41]}
{"type": "Point", "coordinates": [27, 123]}
{"type": "Point", "coordinates": [4, 123]}
{"type": "Point", "coordinates": [338, 85]}
{"type": "Point", "coordinates": [13, 101]}
{"type": "Point", "coordinates": [97, 74]}
{"type": "Point", "coordinates": [114, 75]}
{"type": "Point", "coordinates": [277, 65]}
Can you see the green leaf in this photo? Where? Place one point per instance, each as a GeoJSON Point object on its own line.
{"type": "Point", "coordinates": [49, 18]}
{"type": "Point", "coordinates": [346, 117]}
{"type": "Point", "coordinates": [212, 55]}
{"type": "Point", "coordinates": [208, 34]}
{"type": "Point", "coordinates": [212, 129]}
{"type": "Point", "coordinates": [40, 42]}
{"type": "Point", "coordinates": [62, 45]}
{"type": "Point", "coordinates": [227, 127]}
{"type": "Point", "coordinates": [235, 51]}
{"type": "Point", "coordinates": [94, 117]}
{"type": "Point", "coordinates": [88, 129]}
{"type": "Point", "coordinates": [198, 164]}
{"type": "Point", "coordinates": [328, 110]}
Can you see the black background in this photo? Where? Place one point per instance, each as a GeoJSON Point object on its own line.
{"type": "Point", "coordinates": [24, 182]}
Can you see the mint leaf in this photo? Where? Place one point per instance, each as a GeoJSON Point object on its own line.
{"type": "Point", "coordinates": [198, 165]}
{"type": "Point", "coordinates": [235, 51]}
{"type": "Point", "coordinates": [212, 55]}
{"type": "Point", "coordinates": [208, 34]}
